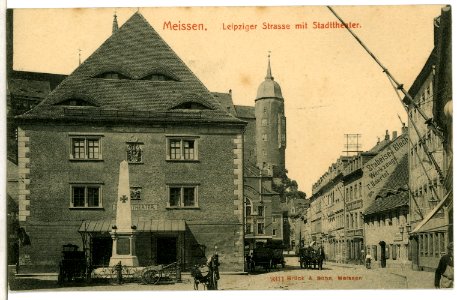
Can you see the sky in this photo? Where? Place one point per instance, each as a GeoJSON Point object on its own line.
{"type": "Point", "coordinates": [330, 85]}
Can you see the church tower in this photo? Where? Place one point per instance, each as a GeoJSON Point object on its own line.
{"type": "Point", "coordinates": [270, 125]}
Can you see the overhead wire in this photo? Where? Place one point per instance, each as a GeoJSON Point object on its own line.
{"type": "Point", "coordinates": [398, 85]}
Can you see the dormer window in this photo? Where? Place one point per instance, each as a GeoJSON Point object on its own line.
{"type": "Point", "coordinates": [76, 102]}
{"type": "Point", "coordinates": [191, 105]}
{"type": "Point", "coordinates": [112, 75]}
{"type": "Point", "coordinates": [159, 77]}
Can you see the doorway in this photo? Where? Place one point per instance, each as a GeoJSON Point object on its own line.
{"type": "Point", "coordinates": [101, 250]}
{"type": "Point", "coordinates": [166, 250]}
{"type": "Point", "coordinates": [383, 253]}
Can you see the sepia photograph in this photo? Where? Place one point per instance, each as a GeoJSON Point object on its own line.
{"type": "Point", "coordinates": [229, 148]}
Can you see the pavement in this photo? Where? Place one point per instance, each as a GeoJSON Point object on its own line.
{"type": "Point", "coordinates": [334, 276]}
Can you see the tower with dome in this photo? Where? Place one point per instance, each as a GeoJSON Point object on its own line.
{"type": "Point", "coordinates": [270, 134]}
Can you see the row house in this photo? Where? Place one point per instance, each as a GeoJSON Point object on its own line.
{"type": "Point", "coordinates": [343, 193]}
{"type": "Point", "coordinates": [352, 182]}
{"type": "Point", "coordinates": [430, 156]}
{"type": "Point", "coordinates": [386, 217]}
{"type": "Point", "coordinates": [325, 217]}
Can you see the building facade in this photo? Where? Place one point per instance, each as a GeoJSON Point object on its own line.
{"type": "Point", "coordinates": [326, 214]}
{"type": "Point", "coordinates": [264, 160]}
{"type": "Point", "coordinates": [431, 152]}
{"type": "Point", "coordinates": [353, 191]}
{"type": "Point", "coordinates": [133, 99]}
{"type": "Point", "coordinates": [386, 220]}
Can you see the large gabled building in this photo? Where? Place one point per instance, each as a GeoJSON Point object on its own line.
{"type": "Point", "coordinates": [133, 99]}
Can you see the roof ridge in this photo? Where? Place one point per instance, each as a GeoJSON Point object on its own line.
{"type": "Point", "coordinates": [179, 58]}
{"type": "Point", "coordinates": [136, 47]}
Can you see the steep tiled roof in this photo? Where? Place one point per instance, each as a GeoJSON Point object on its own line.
{"type": "Point", "coordinates": [394, 193]}
{"type": "Point", "coordinates": [134, 51]}
{"type": "Point", "coordinates": [29, 88]}
{"type": "Point", "coordinates": [398, 179]}
{"type": "Point", "coordinates": [379, 147]}
{"type": "Point", "coordinates": [225, 99]}
{"type": "Point", "coordinates": [245, 112]}
{"type": "Point", "coordinates": [389, 202]}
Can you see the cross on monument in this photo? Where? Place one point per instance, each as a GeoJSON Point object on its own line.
{"type": "Point", "coordinates": [124, 198]}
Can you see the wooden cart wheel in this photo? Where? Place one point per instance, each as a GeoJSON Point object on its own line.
{"type": "Point", "coordinates": [151, 277]}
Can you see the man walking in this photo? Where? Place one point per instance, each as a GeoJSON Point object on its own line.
{"type": "Point", "coordinates": [444, 274]}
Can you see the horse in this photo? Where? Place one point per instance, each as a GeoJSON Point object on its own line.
{"type": "Point", "coordinates": [320, 257]}
{"type": "Point", "coordinates": [312, 258]}
{"type": "Point", "coordinates": [207, 274]}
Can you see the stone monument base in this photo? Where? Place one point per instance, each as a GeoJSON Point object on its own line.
{"type": "Point", "coordinates": [126, 260]}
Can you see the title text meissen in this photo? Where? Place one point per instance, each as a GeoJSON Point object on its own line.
{"type": "Point", "coordinates": [183, 26]}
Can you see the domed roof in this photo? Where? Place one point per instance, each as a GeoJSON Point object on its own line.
{"type": "Point", "coordinates": [269, 88]}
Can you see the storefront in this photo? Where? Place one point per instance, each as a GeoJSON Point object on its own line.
{"type": "Point", "coordinates": [156, 242]}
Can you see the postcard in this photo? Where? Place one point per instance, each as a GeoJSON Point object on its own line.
{"type": "Point", "coordinates": [302, 148]}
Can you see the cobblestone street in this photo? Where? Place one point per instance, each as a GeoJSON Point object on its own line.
{"type": "Point", "coordinates": [332, 277]}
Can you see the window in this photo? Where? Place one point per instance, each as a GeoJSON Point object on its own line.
{"type": "Point", "coordinates": [191, 105]}
{"type": "Point", "coordinates": [264, 137]}
{"type": "Point", "coordinates": [260, 228]}
{"type": "Point", "coordinates": [248, 207]}
{"type": "Point", "coordinates": [86, 148]}
{"type": "Point", "coordinates": [274, 232]}
{"type": "Point", "coordinates": [182, 149]}
{"type": "Point", "coordinates": [85, 196]}
{"type": "Point", "coordinates": [135, 193]}
{"type": "Point", "coordinates": [394, 251]}
{"type": "Point", "coordinates": [248, 228]}
{"type": "Point", "coordinates": [264, 122]}
{"type": "Point", "coordinates": [260, 211]}
{"type": "Point", "coordinates": [441, 243]}
{"type": "Point", "coordinates": [159, 77]}
{"type": "Point", "coordinates": [182, 196]}
{"type": "Point", "coordinates": [134, 152]}
{"type": "Point", "coordinates": [274, 219]}
{"type": "Point", "coordinates": [111, 75]}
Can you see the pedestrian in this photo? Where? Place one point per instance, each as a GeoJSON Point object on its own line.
{"type": "Point", "coordinates": [362, 256]}
{"type": "Point", "coordinates": [368, 260]}
{"type": "Point", "coordinates": [444, 274]}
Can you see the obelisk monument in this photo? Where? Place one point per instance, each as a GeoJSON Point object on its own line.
{"type": "Point", "coordinates": [123, 232]}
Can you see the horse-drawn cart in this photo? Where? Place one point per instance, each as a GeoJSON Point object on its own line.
{"type": "Point", "coordinates": [311, 258]}
{"type": "Point", "coordinates": [73, 265]}
{"type": "Point", "coordinates": [268, 256]}
{"type": "Point", "coordinates": [160, 273]}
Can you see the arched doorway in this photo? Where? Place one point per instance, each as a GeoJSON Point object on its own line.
{"type": "Point", "coordinates": [383, 253]}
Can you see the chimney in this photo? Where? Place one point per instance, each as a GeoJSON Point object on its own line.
{"type": "Point", "coordinates": [394, 135]}
{"type": "Point", "coordinates": [404, 130]}
{"type": "Point", "coordinates": [387, 137]}
{"type": "Point", "coordinates": [230, 92]}
{"type": "Point", "coordinates": [379, 140]}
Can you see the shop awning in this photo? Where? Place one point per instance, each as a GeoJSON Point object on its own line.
{"type": "Point", "coordinates": [141, 225]}
{"type": "Point", "coordinates": [431, 213]}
